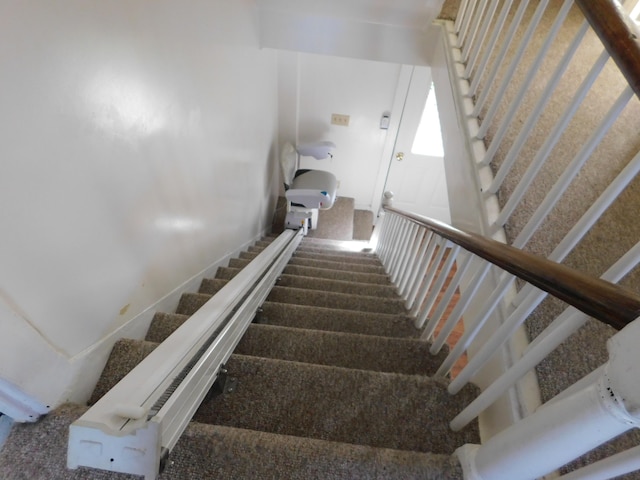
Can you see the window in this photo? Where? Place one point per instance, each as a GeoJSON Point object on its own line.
{"type": "Point", "coordinates": [428, 139]}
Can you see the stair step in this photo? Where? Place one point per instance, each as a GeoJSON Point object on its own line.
{"type": "Point", "coordinates": [344, 301]}
{"type": "Point", "coordinates": [332, 244]}
{"type": "Point", "coordinates": [383, 410]}
{"type": "Point", "coordinates": [338, 349]}
{"type": "Point", "coordinates": [329, 257]}
{"type": "Point", "coordinates": [307, 262]}
{"type": "Point", "coordinates": [227, 273]}
{"type": "Point", "coordinates": [339, 286]}
{"type": "Point", "coordinates": [163, 325]}
{"type": "Point", "coordinates": [343, 275]}
{"type": "Point", "coordinates": [362, 224]}
{"type": "Point", "coordinates": [190, 303]}
{"type": "Point", "coordinates": [211, 286]}
{"type": "Point", "coordinates": [331, 319]}
{"type": "Point", "coordinates": [212, 451]}
{"type": "Point", "coordinates": [324, 255]}
{"type": "Point", "coordinates": [336, 222]}
{"type": "Point", "coordinates": [125, 355]}
{"type": "Point", "coordinates": [302, 248]}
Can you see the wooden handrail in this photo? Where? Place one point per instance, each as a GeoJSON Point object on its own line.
{"type": "Point", "coordinates": [602, 300]}
{"type": "Point", "coordinates": [618, 34]}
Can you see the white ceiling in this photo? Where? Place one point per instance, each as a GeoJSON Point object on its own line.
{"type": "Point", "coordinates": [383, 30]}
{"type": "Point", "coordinates": [403, 13]}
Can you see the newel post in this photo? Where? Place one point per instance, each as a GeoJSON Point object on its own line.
{"type": "Point", "coordinates": [564, 429]}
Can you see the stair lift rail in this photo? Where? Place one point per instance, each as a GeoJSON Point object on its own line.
{"type": "Point", "coordinates": [133, 428]}
{"type": "Point", "coordinates": [588, 414]}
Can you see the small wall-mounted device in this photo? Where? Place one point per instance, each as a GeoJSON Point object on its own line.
{"type": "Point", "coordinates": [384, 121]}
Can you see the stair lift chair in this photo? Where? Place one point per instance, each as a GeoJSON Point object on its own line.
{"type": "Point", "coordinates": [306, 191]}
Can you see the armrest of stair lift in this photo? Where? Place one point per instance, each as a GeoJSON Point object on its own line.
{"type": "Point", "coordinates": [313, 189]}
{"type": "Point", "coordinates": [309, 198]}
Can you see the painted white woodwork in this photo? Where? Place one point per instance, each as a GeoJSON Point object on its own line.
{"type": "Point", "coordinates": [563, 430]}
{"type": "Point", "coordinates": [417, 181]}
{"type": "Point", "coordinates": [137, 153]}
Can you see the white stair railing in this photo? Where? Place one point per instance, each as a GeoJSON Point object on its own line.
{"type": "Point", "coordinates": [593, 411]}
{"type": "Point", "coordinates": [491, 80]}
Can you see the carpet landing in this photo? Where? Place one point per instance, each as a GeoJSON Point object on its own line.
{"type": "Point", "coordinates": [332, 383]}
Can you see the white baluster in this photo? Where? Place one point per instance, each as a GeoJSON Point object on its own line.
{"type": "Point", "coordinates": [437, 286]}
{"type": "Point", "coordinates": [566, 429]}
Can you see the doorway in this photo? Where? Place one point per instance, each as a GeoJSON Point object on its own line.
{"type": "Point", "coordinates": [416, 173]}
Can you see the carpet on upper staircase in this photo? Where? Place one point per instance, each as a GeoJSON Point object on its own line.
{"type": "Point", "coordinates": [332, 383]}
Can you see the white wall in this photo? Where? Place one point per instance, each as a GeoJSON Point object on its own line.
{"type": "Point", "coordinates": [378, 30]}
{"type": "Point", "coordinates": [315, 86]}
{"type": "Point", "coordinates": [138, 149]}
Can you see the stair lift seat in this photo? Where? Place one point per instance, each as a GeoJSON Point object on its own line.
{"type": "Point", "coordinates": [306, 190]}
{"type": "Point", "coordinates": [313, 189]}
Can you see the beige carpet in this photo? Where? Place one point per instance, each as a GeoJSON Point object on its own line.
{"type": "Point", "coordinates": [332, 383]}
{"type": "Point", "coordinates": [616, 231]}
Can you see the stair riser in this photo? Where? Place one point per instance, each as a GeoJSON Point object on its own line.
{"type": "Point", "coordinates": [349, 321]}
{"type": "Point", "coordinates": [317, 298]}
{"type": "Point", "coordinates": [364, 352]}
{"type": "Point", "coordinates": [305, 262]}
{"type": "Point", "coordinates": [324, 255]}
{"type": "Point", "coordinates": [337, 286]}
{"type": "Point", "coordinates": [344, 405]}
{"type": "Point", "coordinates": [341, 275]}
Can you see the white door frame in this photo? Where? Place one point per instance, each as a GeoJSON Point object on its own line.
{"type": "Point", "coordinates": [399, 100]}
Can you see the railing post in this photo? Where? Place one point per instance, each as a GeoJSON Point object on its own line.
{"type": "Point", "coordinates": [563, 430]}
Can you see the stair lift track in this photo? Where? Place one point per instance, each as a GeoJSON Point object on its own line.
{"type": "Point", "coordinates": [136, 424]}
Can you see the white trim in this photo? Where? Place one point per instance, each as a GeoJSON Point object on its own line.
{"type": "Point", "coordinates": [404, 79]}
{"type": "Point", "coordinates": [6, 424]}
{"type": "Point", "coordinates": [79, 374]}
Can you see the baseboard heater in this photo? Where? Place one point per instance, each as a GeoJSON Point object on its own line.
{"type": "Point", "coordinates": [133, 428]}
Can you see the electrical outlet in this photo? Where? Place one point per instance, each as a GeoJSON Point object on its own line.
{"type": "Point", "coordinates": [342, 120]}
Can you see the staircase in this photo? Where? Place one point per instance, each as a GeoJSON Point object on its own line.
{"type": "Point", "coordinates": [332, 382]}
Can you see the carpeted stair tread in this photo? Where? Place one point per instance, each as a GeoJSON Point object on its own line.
{"type": "Point", "coordinates": [213, 451]}
{"type": "Point", "coordinates": [384, 410]}
{"type": "Point", "coordinates": [337, 221]}
{"type": "Point", "coordinates": [163, 325]}
{"type": "Point", "coordinates": [227, 273]}
{"type": "Point", "coordinates": [240, 454]}
{"type": "Point", "coordinates": [328, 257]}
{"type": "Point", "coordinates": [125, 355]}
{"type": "Point", "coordinates": [362, 224]}
{"type": "Point", "coordinates": [339, 286]}
{"type": "Point", "coordinates": [262, 243]}
{"type": "Point", "coordinates": [336, 252]}
{"type": "Point", "coordinates": [308, 262]}
{"type": "Point", "coordinates": [211, 286]}
{"type": "Point", "coordinates": [330, 243]}
{"type": "Point", "coordinates": [190, 302]}
{"type": "Point", "coordinates": [337, 320]}
{"type": "Point", "coordinates": [38, 451]}
{"type": "Point", "coordinates": [303, 296]}
{"type": "Point", "coordinates": [343, 275]}
{"type": "Point", "coordinates": [339, 349]}
{"type": "Point", "coordinates": [324, 256]}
